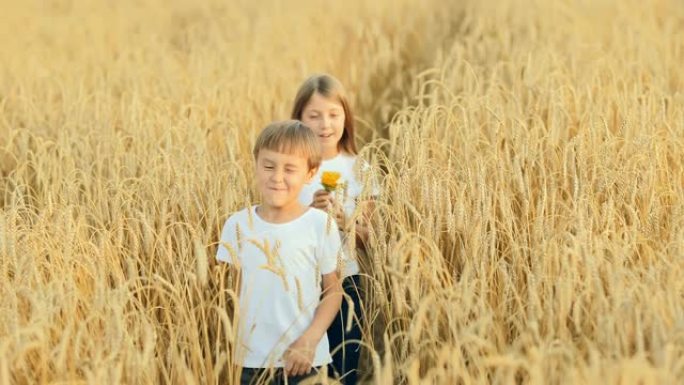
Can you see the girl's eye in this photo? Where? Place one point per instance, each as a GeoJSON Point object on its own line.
{"type": "Point", "coordinates": [268, 167]}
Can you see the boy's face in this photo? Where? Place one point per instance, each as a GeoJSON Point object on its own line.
{"type": "Point", "coordinates": [280, 177]}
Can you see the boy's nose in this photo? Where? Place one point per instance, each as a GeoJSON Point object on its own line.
{"type": "Point", "coordinates": [277, 175]}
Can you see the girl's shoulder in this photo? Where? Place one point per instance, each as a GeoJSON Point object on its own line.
{"type": "Point", "coordinates": [355, 162]}
{"type": "Point", "coordinates": [361, 172]}
{"type": "Point", "coordinates": [343, 162]}
{"type": "Point", "coordinates": [350, 160]}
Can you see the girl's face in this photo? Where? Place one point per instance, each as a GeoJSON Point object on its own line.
{"type": "Point", "coordinates": [325, 116]}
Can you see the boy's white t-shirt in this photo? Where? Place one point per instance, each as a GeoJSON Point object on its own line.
{"type": "Point", "coordinates": [280, 291]}
{"type": "Point", "coordinates": [346, 165]}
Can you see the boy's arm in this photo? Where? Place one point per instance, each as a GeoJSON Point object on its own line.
{"type": "Point", "coordinates": [299, 356]}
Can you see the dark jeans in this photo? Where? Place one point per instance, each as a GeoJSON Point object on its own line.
{"type": "Point", "coordinates": [259, 376]}
{"type": "Point", "coordinates": [344, 345]}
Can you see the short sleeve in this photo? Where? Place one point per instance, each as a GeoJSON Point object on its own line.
{"type": "Point", "coordinates": [329, 248]}
{"type": "Point", "coordinates": [228, 244]}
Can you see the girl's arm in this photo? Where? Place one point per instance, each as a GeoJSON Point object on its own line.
{"type": "Point", "coordinates": [299, 356]}
{"type": "Point", "coordinates": [363, 224]}
{"type": "Point", "coordinates": [324, 200]}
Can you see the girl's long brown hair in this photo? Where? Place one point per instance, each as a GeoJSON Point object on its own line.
{"type": "Point", "coordinates": [329, 87]}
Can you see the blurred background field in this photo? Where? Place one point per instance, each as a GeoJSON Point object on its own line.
{"type": "Point", "coordinates": [531, 153]}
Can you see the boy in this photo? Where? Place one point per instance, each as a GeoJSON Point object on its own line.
{"type": "Point", "coordinates": [285, 252]}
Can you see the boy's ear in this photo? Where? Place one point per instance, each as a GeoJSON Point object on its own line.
{"type": "Point", "coordinates": [310, 175]}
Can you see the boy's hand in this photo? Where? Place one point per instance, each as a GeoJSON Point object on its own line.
{"type": "Point", "coordinates": [299, 356]}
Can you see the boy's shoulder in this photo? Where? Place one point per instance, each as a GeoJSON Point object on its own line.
{"type": "Point", "coordinates": [239, 217]}
{"type": "Point", "coordinates": [317, 215]}
{"type": "Point", "coordinates": [313, 216]}
{"type": "Point", "coordinates": [313, 221]}
{"type": "Point", "coordinates": [318, 220]}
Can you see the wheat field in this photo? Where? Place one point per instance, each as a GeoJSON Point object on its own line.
{"type": "Point", "coordinates": [530, 228]}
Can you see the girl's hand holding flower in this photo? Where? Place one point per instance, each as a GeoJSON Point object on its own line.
{"type": "Point", "coordinates": [329, 180]}
{"type": "Point", "coordinates": [324, 199]}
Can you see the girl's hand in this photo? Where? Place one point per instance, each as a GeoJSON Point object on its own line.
{"type": "Point", "coordinates": [340, 218]}
{"type": "Point", "coordinates": [299, 356]}
{"type": "Point", "coordinates": [364, 223]}
{"type": "Point", "coordinates": [322, 200]}
{"type": "Point", "coordinates": [362, 230]}
{"type": "Point", "coordinates": [325, 201]}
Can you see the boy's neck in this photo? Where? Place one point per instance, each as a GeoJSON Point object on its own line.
{"type": "Point", "coordinates": [280, 214]}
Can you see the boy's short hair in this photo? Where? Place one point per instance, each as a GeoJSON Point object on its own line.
{"type": "Point", "coordinates": [290, 137]}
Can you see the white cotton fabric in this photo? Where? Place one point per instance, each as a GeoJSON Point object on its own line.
{"type": "Point", "coordinates": [346, 165]}
{"type": "Point", "coordinates": [275, 310]}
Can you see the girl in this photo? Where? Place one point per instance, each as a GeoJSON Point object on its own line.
{"type": "Point", "coordinates": [321, 104]}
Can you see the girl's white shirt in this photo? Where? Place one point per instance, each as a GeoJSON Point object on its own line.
{"type": "Point", "coordinates": [351, 175]}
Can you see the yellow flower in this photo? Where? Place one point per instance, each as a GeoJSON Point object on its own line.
{"type": "Point", "coordinates": [329, 180]}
